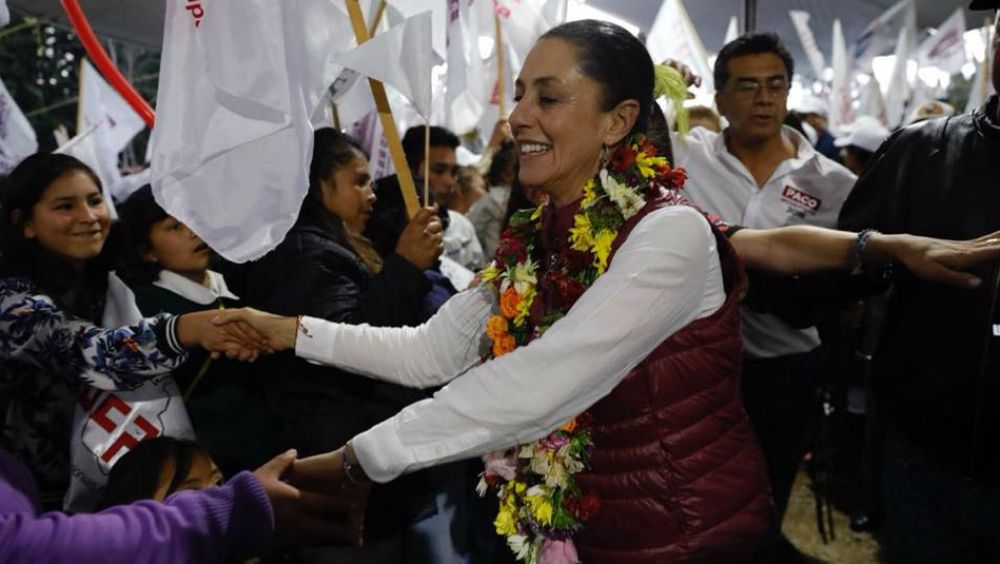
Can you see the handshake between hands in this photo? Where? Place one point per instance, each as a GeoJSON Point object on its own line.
{"type": "Point", "coordinates": [313, 500]}
{"type": "Point", "coordinates": [239, 334]}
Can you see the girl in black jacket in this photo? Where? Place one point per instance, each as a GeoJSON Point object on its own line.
{"type": "Point", "coordinates": [324, 268]}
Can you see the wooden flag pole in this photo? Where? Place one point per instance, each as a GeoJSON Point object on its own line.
{"type": "Point", "coordinates": [501, 82]}
{"type": "Point", "coordinates": [385, 116]}
{"type": "Point", "coordinates": [336, 116]}
{"type": "Point", "coordinates": [427, 162]}
{"type": "Point", "coordinates": [377, 19]}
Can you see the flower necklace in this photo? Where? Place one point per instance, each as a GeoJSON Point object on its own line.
{"type": "Point", "coordinates": [541, 505]}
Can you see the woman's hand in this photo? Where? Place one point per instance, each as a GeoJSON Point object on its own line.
{"type": "Point", "coordinates": [325, 474]}
{"type": "Point", "coordinates": [421, 242]}
{"type": "Point", "coordinates": [937, 260]}
{"type": "Point", "coordinates": [304, 516]}
{"type": "Point", "coordinates": [236, 341]}
{"type": "Point", "coordinates": [272, 332]}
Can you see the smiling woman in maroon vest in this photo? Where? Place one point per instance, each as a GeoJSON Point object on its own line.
{"type": "Point", "coordinates": [614, 306]}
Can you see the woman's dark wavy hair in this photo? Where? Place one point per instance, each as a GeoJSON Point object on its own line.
{"type": "Point", "coordinates": [136, 475]}
{"type": "Point", "coordinates": [608, 54]}
{"type": "Point", "coordinates": [333, 150]}
{"type": "Point", "coordinates": [20, 191]}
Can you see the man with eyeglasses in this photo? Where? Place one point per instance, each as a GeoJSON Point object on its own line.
{"type": "Point", "coordinates": [938, 363]}
{"type": "Point", "coordinates": [761, 174]}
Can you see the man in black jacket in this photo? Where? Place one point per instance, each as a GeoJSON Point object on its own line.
{"type": "Point", "coordinates": [939, 360]}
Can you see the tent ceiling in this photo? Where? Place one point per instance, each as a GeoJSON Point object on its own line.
{"type": "Point", "coordinates": [132, 21]}
{"type": "Point", "coordinates": [141, 21]}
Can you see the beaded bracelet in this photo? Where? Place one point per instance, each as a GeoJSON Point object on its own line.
{"type": "Point", "coordinates": [861, 245]}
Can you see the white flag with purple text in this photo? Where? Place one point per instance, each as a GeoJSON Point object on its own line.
{"type": "Point", "coordinates": [233, 138]}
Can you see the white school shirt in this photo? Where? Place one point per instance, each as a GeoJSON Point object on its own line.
{"type": "Point", "coordinates": [190, 290]}
{"type": "Point", "coordinates": [808, 189]}
{"type": "Point", "coordinates": [665, 275]}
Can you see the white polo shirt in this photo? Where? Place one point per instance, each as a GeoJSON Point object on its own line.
{"type": "Point", "coordinates": [808, 189]}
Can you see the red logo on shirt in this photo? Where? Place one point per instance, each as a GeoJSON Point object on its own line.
{"type": "Point", "coordinates": [801, 199]}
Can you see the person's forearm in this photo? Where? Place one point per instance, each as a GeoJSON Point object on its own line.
{"type": "Point", "coordinates": [189, 528]}
{"type": "Point", "coordinates": [798, 249]}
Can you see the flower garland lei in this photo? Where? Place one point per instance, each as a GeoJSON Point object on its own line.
{"type": "Point", "coordinates": [541, 505]}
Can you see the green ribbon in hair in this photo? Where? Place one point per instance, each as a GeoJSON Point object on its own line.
{"type": "Point", "coordinates": [670, 83]}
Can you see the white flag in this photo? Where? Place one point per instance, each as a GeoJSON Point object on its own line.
{"type": "Point", "coordinates": [878, 38]}
{"type": "Point", "coordinates": [815, 56]}
{"type": "Point", "coordinates": [899, 90]}
{"type": "Point", "coordinates": [872, 104]}
{"type": "Point", "coordinates": [401, 57]}
{"type": "Point", "coordinates": [17, 138]}
{"type": "Point", "coordinates": [982, 85]}
{"type": "Point", "coordinates": [946, 48]}
{"type": "Point", "coordinates": [673, 36]}
{"type": "Point", "coordinates": [233, 138]}
{"type": "Point", "coordinates": [840, 96]}
{"type": "Point", "coordinates": [469, 87]}
{"type": "Point", "coordinates": [732, 32]}
{"type": "Point", "coordinates": [406, 9]}
{"type": "Point", "coordinates": [523, 22]}
{"type": "Point", "coordinates": [90, 147]}
{"type": "Point", "coordinates": [100, 103]}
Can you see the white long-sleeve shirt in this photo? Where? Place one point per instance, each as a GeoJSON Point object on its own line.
{"type": "Point", "coordinates": [665, 275]}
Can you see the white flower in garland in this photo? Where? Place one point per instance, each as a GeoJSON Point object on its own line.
{"type": "Point", "coordinates": [519, 545]}
{"type": "Point", "coordinates": [627, 200]}
{"type": "Point", "coordinates": [522, 276]}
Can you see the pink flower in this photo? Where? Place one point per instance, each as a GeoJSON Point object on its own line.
{"type": "Point", "coordinates": [500, 464]}
{"type": "Point", "coordinates": [558, 552]}
{"type": "Point", "coordinates": [554, 442]}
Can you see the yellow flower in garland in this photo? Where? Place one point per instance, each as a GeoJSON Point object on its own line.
{"type": "Point", "coordinates": [524, 306]}
{"type": "Point", "coordinates": [540, 504]}
{"type": "Point", "coordinates": [589, 194]}
{"type": "Point", "coordinates": [538, 212]}
{"type": "Point", "coordinates": [489, 273]}
{"type": "Point", "coordinates": [602, 249]}
{"type": "Point", "coordinates": [505, 523]}
{"type": "Point", "coordinates": [646, 164]}
{"type": "Point", "coordinates": [581, 235]}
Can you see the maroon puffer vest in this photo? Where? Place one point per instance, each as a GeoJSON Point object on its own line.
{"type": "Point", "coordinates": [676, 464]}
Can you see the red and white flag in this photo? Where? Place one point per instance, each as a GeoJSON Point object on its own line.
{"type": "Point", "coordinates": [801, 21]}
{"type": "Point", "coordinates": [840, 95]}
{"type": "Point", "coordinates": [239, 81]}
{"type": "Point", "coordinates": [946, 48]}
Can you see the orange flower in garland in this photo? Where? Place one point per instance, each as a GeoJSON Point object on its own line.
{"type": "Point", "coordinates": [508, 303]}
{"type": "Point", "coordinates": [503, 344]}
{"type": "Point", "coordinates": [496, 327]}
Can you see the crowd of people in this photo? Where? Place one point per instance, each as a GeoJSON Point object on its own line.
{"type": "Point", "coordinates": [635, 360]}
